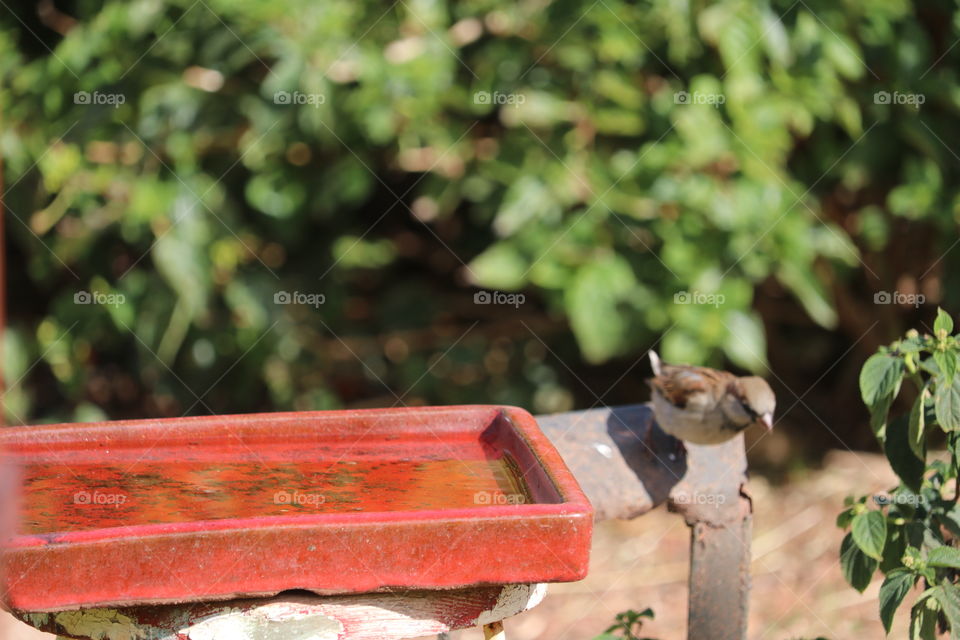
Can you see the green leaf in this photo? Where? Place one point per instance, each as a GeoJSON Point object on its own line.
{"type": "Point", "coordinates": [948, 595]}
{"type": "Point", "coordinates": [500, 267]}
{"type": "Point", "coordinates": [917, 425]}
{"type": "Point", "coordinates": [932, 538]}
{"type": "Point", "coordinates": [879, 414]}
{"type": "Point", "coordinates": [595, 302]}
{"type": "Point", "coordinates": [745, 343]}
{"type": "Point", "coordinates": [951, 520]}
{"type": "Point", "coordinates": [947, 363]}
{"type": "Point", "coordinates": [953, 446]}
{"type": "Point", "coordinates": [893, 550]}
{"type": "Point", "coordinates": [948, 521]}
{"type": "Point", "coordinates": [943, 322]}
{"type": "Point", "coordinates": [947, 405]}
{"type": "Point", "coordinates": [845, 518]}
{"type": "Point", "coordinates": [910, 345]}
{"type": "Point", "coordinates": [923, 619]}
{"type": "Point", "coordinates": [869, 531]}
{"type": "Point", "coordinates": [911, 555]}
{"type": "Point", "coordinates": [857, 566]}
{"type": "Point", "coordinates": [930, 366]}
{"type": "Point", "coordinates": [880, 377]}
{"type": "Point", "coordinates": [904, 463]}
{"type": "Point", "coordinates": [879, 383]}
{"type": "Point", "coordinates": [181, 259]}
{"type": "Point", "coordinates": [810, 291]}
{"type": "Point", "coordinates": [843, 53]}
{"type": "Point", "coordinates": [944, 557]}
{"type": "Point", "coordinates": [527, 201]}
{"type": "Point", "coordinates": [894, 588]}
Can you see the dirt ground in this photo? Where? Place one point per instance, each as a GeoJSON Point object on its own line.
{"type": "Point", "coordinates": [798, 590]}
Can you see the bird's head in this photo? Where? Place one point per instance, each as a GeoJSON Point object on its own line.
{"type": "Point", "coordinates": [758, 399]}
{"type": "Point", "coordinates": [750, 400]}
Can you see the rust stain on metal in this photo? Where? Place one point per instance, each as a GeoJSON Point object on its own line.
{"type": "Point", "coordinates": [624, 462]}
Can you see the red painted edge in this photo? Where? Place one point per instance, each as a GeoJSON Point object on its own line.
{"type": "Point", "coordinates": [546, 541]}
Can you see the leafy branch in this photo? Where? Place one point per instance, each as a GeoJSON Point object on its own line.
{"type": "Point", "coordinates": [910, 534]}
{"type": "Point", "coordinates": [627, 626]}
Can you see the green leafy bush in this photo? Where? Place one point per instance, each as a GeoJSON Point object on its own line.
{"type": "Point", "coordinates": [911, 533]}
{"type": "Point", "coordinates": [613, 161]}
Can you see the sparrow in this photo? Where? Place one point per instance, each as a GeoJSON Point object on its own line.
{"type": "Point", "coordinates": [707, 406]}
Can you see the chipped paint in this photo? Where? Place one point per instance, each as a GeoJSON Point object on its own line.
{"type": "Point", "coordinates": [101, 624]}
{"type": "Point", "coordinates": [363, 617]}
{"type": "Point", "coordinates": [276, 621]}
{"type": "Point", "coordinates": [513, 599]}
{"type": "Point", "coordinates": [36, 620]}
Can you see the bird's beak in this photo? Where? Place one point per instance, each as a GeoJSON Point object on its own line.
{"type": "Point", "coordinates": [767, 420]}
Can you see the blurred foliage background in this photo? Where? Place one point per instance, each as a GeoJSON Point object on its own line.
{"type": "Point", "coordinates": [777, 164]}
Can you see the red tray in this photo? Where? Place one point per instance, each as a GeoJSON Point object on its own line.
{"type": "Point", "coordinates": [216, 507]}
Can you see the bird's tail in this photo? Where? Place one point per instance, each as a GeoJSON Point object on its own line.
{"type": "Point", "coordinates": [655, 362]}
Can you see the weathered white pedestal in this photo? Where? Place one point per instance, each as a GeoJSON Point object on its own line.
{"type": "Point", "coordinates": [380, 616]}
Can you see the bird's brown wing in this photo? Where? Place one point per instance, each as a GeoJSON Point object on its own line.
{"type": "Point", "coordinates": [677, 383]}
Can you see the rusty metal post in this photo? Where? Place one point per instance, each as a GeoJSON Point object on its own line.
{"type": "Point", "coordinates": [626, 466]}
{"type": "Point", "coordinates": [719, 581]}
{"type": "Point", "coordinates": [712, 499]}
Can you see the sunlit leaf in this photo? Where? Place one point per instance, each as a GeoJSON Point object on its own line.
{"type": "Point", "coordinates": [869, 530]}
{"type": "Point", "coordinates": [857, 566]}
{"type": "Point", "coordinates": [894, 588]}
